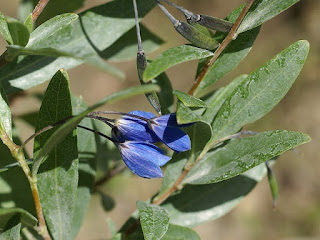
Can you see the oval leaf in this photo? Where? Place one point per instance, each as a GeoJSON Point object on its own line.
{"type": "Point", "coordinates": [241, 155]}
{"type": "Point", "coordinates": [154, 220]}
{"type": "Point", "coordinates": [58, 176]}
{"type": "Point", "coordinates": [173, 56]}
{"type": "Point", "coordinates": [19, 32]}
{"type": "Point", "coordinates": [178, 232]}
{"type": "Point", "coordinates": [261, 91]}
{"type": "Point", "coordinates": [263, 10]}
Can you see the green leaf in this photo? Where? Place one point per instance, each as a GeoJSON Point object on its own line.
{"type": "Point", "coordinates": [93, 59]}
{"type": "Point", "coordinates": [186, 115]}
{"type": "Point", "coordinates": [171, 57]}
{"type": "Point", "coordinates": [12, 229]}
{"type": "Point", "coordinates": [18, 31]}
{"type": "Point", "coordinates": [211, 201]}
{"type": "Point", "coordinates": [5, 114]}
{"type": "Point", "coordinates": [71, 124]}
{"type": "Point", "coordinates": [263, 10]}
{"type": "Point", "coordinates": [272, 183]}
{"type": "Point", "coordinates": [29, 23]}
{"type": "Point", "coordinates": [260, 91]}
{"type": "Point", "coordinates": [23, 216]}
{"type": "Point", "coordinates": [241, 155]}
{"type": "Point", "coordinates": [199, 134]}
{"type": "Point", "coordinates": [58, 175]}
{"type": "Point", "coordinates": [235, 52]}
{"type": "Point", "coordinates": [56, 7]}
{"type": "Point", "coordinates": [87, 167]}
{"type": "Point", "coordinates": [94, 31]}
{"type": "Point", "coordinates": [126, 47]}
{"type": "Point", "coordinates": [180, 233]}
{"type": "Point", "coordinates": [154, 220]}
{"type": "Point", "coordinates": [215, 103]}
{"type": "Point", "coordinates": [4, 29]}
{"type": "Point", "coordinates": [188, 100]}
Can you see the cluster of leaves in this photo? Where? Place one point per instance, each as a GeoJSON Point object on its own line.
{"type": "Point", "coordinates": [66, 159]}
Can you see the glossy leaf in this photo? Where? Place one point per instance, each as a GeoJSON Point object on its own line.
{"type": "Point", "coordinates": [125, 48]}
{"type": "Point", "coordinates": [71, 124]}
{"type": "Point", "coordinates": [215, 104]}
{"type": "Point", "coordinates": [188, 100]}
{"type": "Point", "coordinates": [23, 216]}
{"type": "Point", "coordinates": [18, 31]}
{"type": "Point", "coordinates": [58, 175]}
{"type": "Point", "coordinates": [171, 57]}
{"type": "Point", "coordinates": [211, 201]}
{"type": "Point", "coordinates": [260, 91]}
{"type": "Point", "coordinates": [241, 155]}
{"type": "Point", "coordinates": [5, 114]}
{"type": "Point", "coordinates": [235, 52]}
{"type": "Point", "coordinates": [263, 10]}
{"type": "Point", "coordinates": [87, 167]}
{"type": "Point", "coordinates": [83, 38]}
{"type": "Point", "coordinates": [199, 134]}
{"type": "Point", "coordinates": [154, 220]}
{"type": "Point", "coordinates": [4, 29]}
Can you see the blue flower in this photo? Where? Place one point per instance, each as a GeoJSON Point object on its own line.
{"type": "Point", "coordinates": [153, 129]}
{"type": "Point", "coordinates": [143, 158]}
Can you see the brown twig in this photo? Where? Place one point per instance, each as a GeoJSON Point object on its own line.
{"type": "Point", "coordinates": [231, 35]}
{"type": "Point", "coordinates": [38, 9]}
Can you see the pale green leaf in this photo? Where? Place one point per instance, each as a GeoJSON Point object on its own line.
{"type": "Point", "coordinates": [189, 100]}
{"type": "Point", "coordinates": [94, 31]}
{"type": "Point", "coordinates": [4, 29]}
{"type": "Point", "coordinates": [260, 91]}
{"type": "Point", "coordinates": [18, 31]}
{"type": "Point", "coordinates": [171, 57]}
{"type": "Point", "coordinates": [241, 155]}
{"type": "Point", "coordinates": [29, 22]}
{"type": "Point", "coordinates": [5, 114]}
{"type": "Point", "coordinates": [154, 220]}
{"type": "Point", "coordinates": [263, 10]}
{"type": "Point", "coordinates": [177, 232]}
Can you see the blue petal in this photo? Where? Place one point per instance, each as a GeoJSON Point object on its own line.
{"type": "Point", "coordinates": [135, 129]}
{"type": "Point", "coordinates": [174, 138]}
{"type": "Point", "coordinates": [143, 159]}
{"type": "Point", "coordinates": [170, 120]}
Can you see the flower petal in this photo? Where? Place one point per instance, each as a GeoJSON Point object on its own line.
{"type": "Point", "coordinates": [143, 159]}
{"type": "Point", "coordinates": [174, 138]}
{"type": "Point", "coordinates": [170, 120]}
{"type": "Point", "coordinates": [135, 129]}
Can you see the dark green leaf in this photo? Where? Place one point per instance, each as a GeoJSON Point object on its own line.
{"type": "Point", "coordinates": [263, 10]}
{"type": "Point", "coordinates": [71, 124]}
{"type": "Point", "coordinates": [180, 233]}
{"type": "Point", "coordinates": [165, 94]}
{"type": "Point", "coordinates": [241, 155]}
{"type": "Point", "coordinates": [188, 100]}
{"type": "Point", "coordinates": [154, 220]}
{"type": "Point", "coordinates": [4, 30]}
{"type": "Point", "coordinates": [58, 175]}
{"type": "Point", "coordinates": [23, 216]}
{"type": "Point", "coordinates": [173, 56]}
{"type": "Point", "coordinates": [126, 47]}
{"type": "Point", "coordinates": [87, 167]}
{"type": "Point", "coordinates": [12, 230]}
{"type": "Point", "coordinates": [199, 134]}
{"type": "Point", "coordinates": [5, 114]}
{"type": "Point", "coordinates": [211, 201]}
{"type": "Point", "coordinates": [18, 31]}
{"type": "Point", "coordinates": [216, 102]}
{"type": "Point", "coordinates": [272, 184]}
{"type": "Point", "coordinates": [260, 91]}
{"type": "Point", "coordinates": [95, 30]}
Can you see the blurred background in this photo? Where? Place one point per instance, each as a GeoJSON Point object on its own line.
{"type": "Point", "coordinates": [297, 215]}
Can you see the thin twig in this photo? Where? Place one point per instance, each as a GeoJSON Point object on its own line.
{"type": "Point", "coordinates": [223, 45]}
{"type": "Point", "coordinates": [38, 9]}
